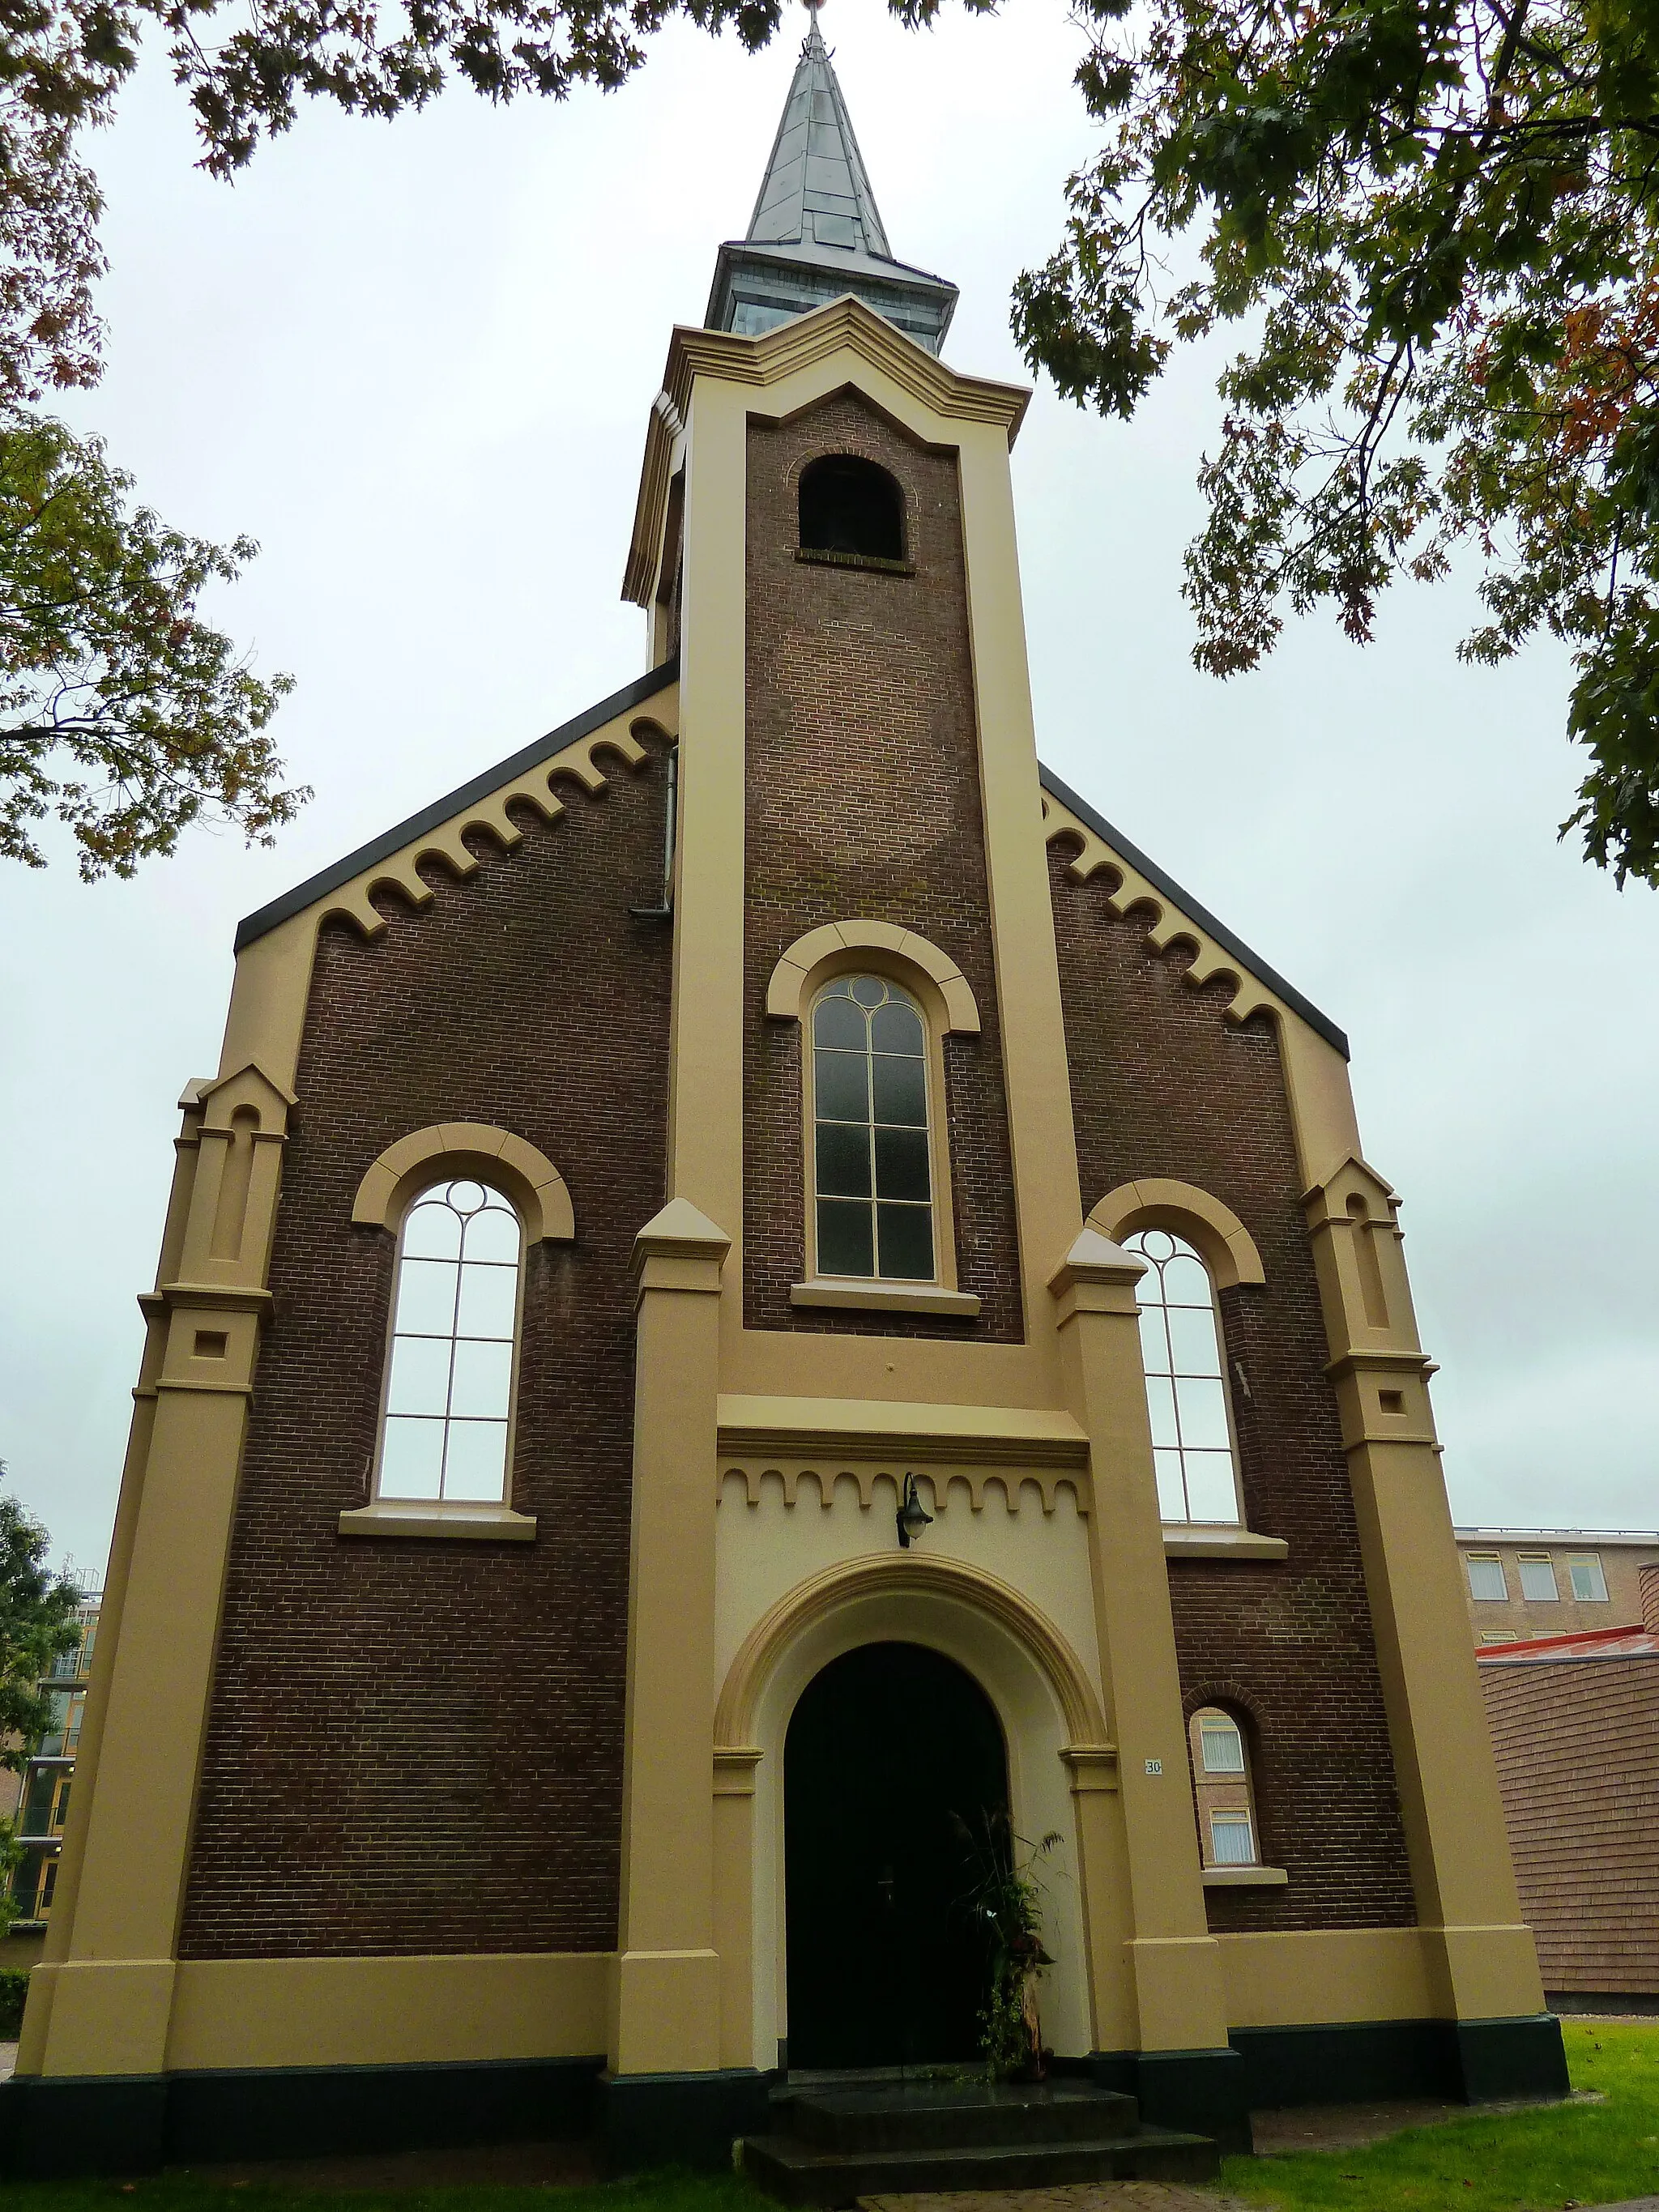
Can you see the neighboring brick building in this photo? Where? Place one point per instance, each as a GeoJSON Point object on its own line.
{"type": "Point", "coordinates": [757, 1290]}
{"type": "Point", "coordinates": [1551, 1582]}
{"type": "Point", "coordinates": [1575, 1725]}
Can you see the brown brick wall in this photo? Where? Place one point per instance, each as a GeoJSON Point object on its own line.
{"type": "Point", "coordinates": [1163, 1084]}
{"type": "Point", "coordinates": [416, 1746]}
{"type": "Point", "coordinates": [1575, 1747]}
{"type": "Point", "coordinates": [864, 801]}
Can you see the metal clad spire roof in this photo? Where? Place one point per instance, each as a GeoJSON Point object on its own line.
{"type": "Point", "coordinates": [816, 191]}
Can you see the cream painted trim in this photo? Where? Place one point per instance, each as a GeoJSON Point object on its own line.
{"type": "Point", "coordinates": [807, 962]}
{"type": "Point", "coordinates": [528, 1177]}
{"type": "Point", "coordinates": [1308, 1976]}
{"type": "Point", "coordinates": [883, 1297]}
{"type": "Point", "coordinates": [801, 344]}
{"type": "Point", "coordinates": [1193, 1539]}
{"type": "Point", "coordinates": [1016, 1436]}
{"type": "Point", "coordinates": [1245, 1877]}
{"type": "Point", "coordinates": [388, 2011]}
{"type": "Point", "coordinates": [1227, 1248]}
{"type": "Point", "coordinates": [978, 1481]}
{"type": "Point", "coordinates": [401, 872]}
{"type": "Point", "coordinates": [1165, 921]}
{"type": "Point", "coordinates": [403, 1516]}
{"type": "Point", "coordinates": [904, 1572]}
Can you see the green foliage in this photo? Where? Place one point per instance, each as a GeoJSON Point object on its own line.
{"type": "Point", "coordinates": [14, 1991]}
{"type": "Point", "coordinates": [38, 1622]}
{"type": "Point", "coordinates": [1594, 2150]}
{"type": "Point", "coordinates": [121, 712]}
{"type": "Point", "coordinates": [1436, 221]}
{"type": "Point", "coordinates": [1007, 1897]}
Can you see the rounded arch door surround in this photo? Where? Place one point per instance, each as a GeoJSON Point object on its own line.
{"type": "Point", "coordinates": [1042, 1701]}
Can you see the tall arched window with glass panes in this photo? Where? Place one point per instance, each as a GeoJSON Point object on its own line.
{"type": "Point", "coordinates": [445, 1429]}
{"type": "Point", "coordinates": [872, 1170]}
{"type": "Point", "coordinates": [1186, 1382]}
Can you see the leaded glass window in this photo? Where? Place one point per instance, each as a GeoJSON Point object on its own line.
{"type": "Point", "coordinates": [449, 1392]}
{"type": "Point", "coordinates": [1186, 1393]}
{"type": "Point", "coordinates": [871, 1164]}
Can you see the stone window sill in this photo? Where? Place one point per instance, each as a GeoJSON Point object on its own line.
{"type": "Point", "coordinates": [401, 1517]}
{"type": "Point", "coordinates": [1195, 1540]}
{"type": "Point", "coordinates": [1249, 1877]}
{"type": "Point", "coordinates": [822, 557]}
{"type": "Point", "coordinates": [884, 1298]}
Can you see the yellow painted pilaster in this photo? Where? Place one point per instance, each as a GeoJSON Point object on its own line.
{"type": "Point", "coordinates": [101, 2003]}
{"type": "Point", "coordinates": [1172, 1964]}
{"type": "Point", "coordinates": [1482, 1965]}
{"type": "Point", "coordinates": [734, 1902]}
{"type": "Point", "coordinates": [666, 2004]}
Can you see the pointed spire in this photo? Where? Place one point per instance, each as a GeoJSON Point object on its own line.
{"type": "Point", "coordinates": [815, 234]}
{"type": "Point", "coordinates": [817, 190]}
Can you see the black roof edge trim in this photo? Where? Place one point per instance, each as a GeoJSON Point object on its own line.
{"type": "Point", "coordinates": [1320, 1024]}
{"type": "Point", "coordinates": [392, 840]}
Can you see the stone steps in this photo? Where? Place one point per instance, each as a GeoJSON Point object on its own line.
{"type": "Point", "coordinates": [834, 2145]}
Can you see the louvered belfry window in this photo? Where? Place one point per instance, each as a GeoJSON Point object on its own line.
{"type": "Point", "coordinates": [871, 1163]}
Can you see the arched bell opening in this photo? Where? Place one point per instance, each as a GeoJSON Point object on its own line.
{"type": "Point", "coordinates": [895, 1798]}
{"type": "Point", "coordinates": [853, 507]}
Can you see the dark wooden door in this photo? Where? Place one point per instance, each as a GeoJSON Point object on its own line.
{"type": "Point", "coordinates": [892, 1751]}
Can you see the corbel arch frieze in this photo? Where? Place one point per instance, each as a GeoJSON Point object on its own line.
{"type": "Point", "coordinates": [447, 844]}
{"type": "Point", "coordinates": [1130, 893]}
{"type": "Point", "coordinates": [811, 1602]}
{"type": "Point", "coordinates": [836, 946]}
{"type": "Point", "coordinates": [1160, 1202]}
{"type": "Point", "coordinates": [527, 1176]}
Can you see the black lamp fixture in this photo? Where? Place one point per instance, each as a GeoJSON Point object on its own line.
{"type": "Point", "coordinates": [912, 1516]}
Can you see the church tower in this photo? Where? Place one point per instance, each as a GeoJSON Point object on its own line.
{"type": "Point", "coordinates": [760, 1307]}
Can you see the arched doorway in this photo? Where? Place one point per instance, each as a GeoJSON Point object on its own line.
{"type": "Point", "coordinates": [892, 1750]}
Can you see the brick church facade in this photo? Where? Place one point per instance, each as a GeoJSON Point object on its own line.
{"type": "Point", "coordinates": [754, 1248]}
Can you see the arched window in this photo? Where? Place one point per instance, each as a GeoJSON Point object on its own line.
{"type": "Point", "coordinates": [1221, 1788]}
{"type": "Point", "coordinates": [873, 1180]}
{"type": "Point", "coordinates": [454, 1331]}
{"type": "Point", "coordinates": [1186, 1389]}
{"type": "Point", "coordinates": [851, 506]}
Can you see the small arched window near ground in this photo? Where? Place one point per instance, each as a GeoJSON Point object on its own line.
{"type": "Point", "coordinates": [872, 1180]}
{"type": "Point", "coordinates": [1186, 1389]}
{"type": "Point", "coordinates": [454, 1332]}
{"type": "Point", "coordinates": [1221, 1787]}
{"type": "Point", "coordinates": [850, 507]}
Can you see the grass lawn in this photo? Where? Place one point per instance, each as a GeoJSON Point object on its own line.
{"type": "Point", "coordinates": [1581, 2154]}
{"type": "Point", "coordinates": [1532, 2162]}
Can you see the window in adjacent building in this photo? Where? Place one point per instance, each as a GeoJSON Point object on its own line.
{"type": "Point", "coordinates": [851, 506]}
{"type": "Point", "coordinates": [449, 1385]}
{"type": "Point", "coordinates": [1185, 1393]}
{"type": "Point", "coordinates": [1231, 1843]}
{"type": "Point", "coordinates": [1222, 1788]}
{"type": "Point", "coordinates": [1590, 1584]}
{"type": "Point", "coordinates": [871, 1160]}
{"type": "Point", "coordinates": [1486, 1581]}
{"type": "Point", "coordinates": [1537, 1577]}
{"type": "Point", "coordinates": [1220, 1746]}
{"type": "Point", "coordinates": [1500, 1636]}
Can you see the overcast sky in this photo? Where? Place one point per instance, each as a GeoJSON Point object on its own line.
{"type": "Point", "coordinates": [414, 362]}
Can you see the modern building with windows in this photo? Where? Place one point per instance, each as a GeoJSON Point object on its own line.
{"type": "Point", "coordinates": [756, 1290]}
{"type": "Point", "coordinates": [43, 1792]}
{"type": "Point", "coordinates": [1575, 1719]}
{"type": "Point", "coordinates": [1526, 1583]}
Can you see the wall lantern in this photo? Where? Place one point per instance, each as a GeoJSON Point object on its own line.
{"type": "Point", "coordinates": [912, 1516]}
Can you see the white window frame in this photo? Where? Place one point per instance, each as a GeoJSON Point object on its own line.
{"type": "Point", "coordinates": [1188, 1248]}
{"type": "Point", "coordinates": [1535, 1560]}
{"type": "Point", "coordinates": [442, 1179]}
{"type": "Point", "coordinates": [1473, 1560]}
{"type": "Point", "coordinates": [1590, 1562]}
